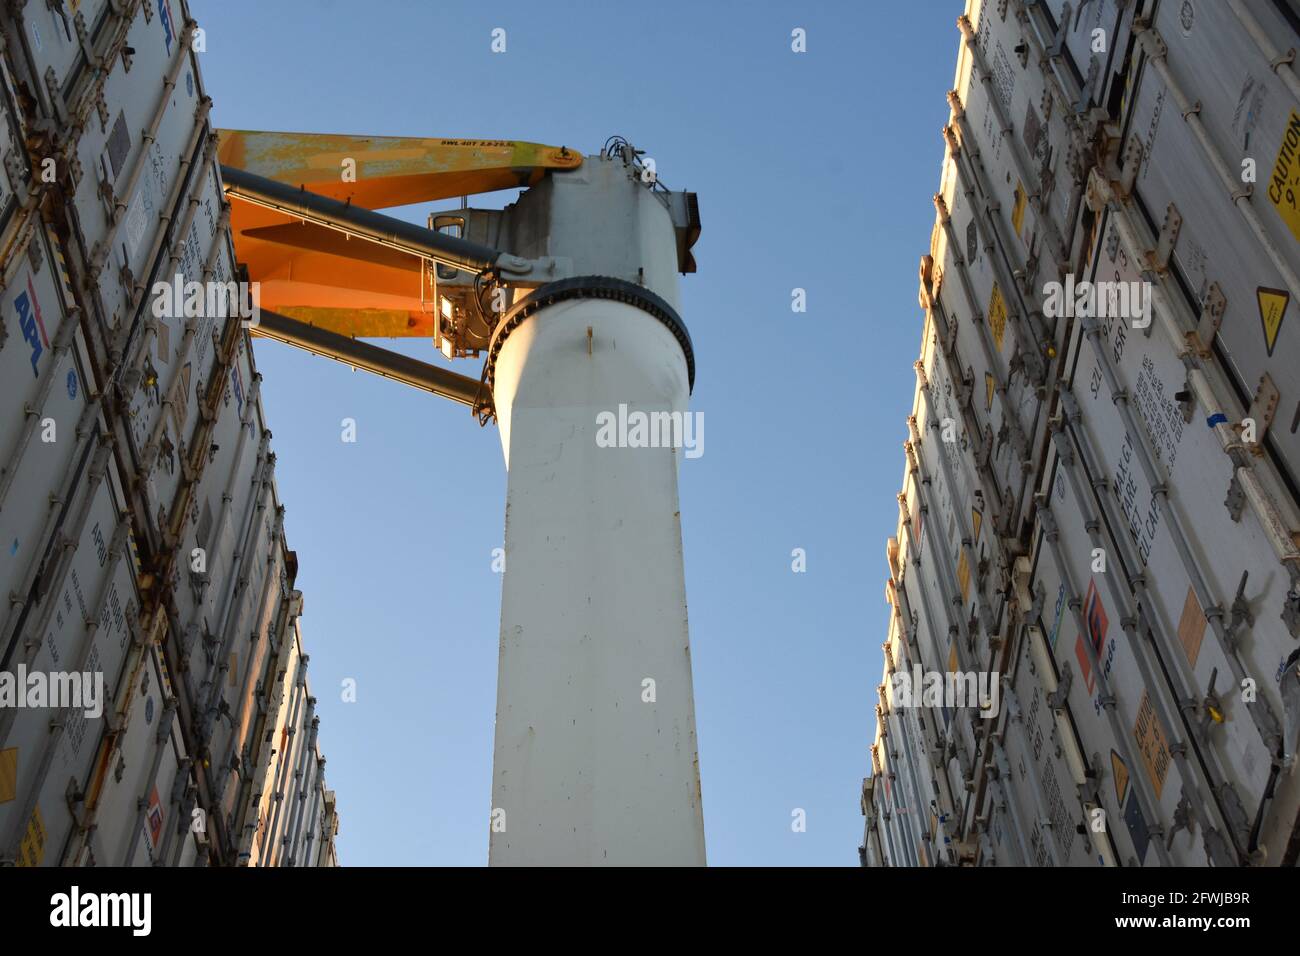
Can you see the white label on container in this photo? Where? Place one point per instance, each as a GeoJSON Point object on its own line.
{"type": "Point", "coordinates": [135, 223]}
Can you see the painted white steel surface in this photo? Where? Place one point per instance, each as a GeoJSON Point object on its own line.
{"type": "Point", "coordinates": [593, 602]}
{"type": "Point", "coordinates": [1215, 245]}
{"type": "Point", "coordinates": [1083, 733]}
{"type": "Point", "coordinates": [147, 197]}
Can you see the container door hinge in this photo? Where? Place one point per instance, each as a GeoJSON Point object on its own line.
{"type": "Point", "coordinates": [1185, 403]}
{"type": "Point", "coordinates": [1131, 162]}
{"type": "Point", "coordinates": [1087, 93]}
{"type": "Point", "coordinates": [83, 38]}
{"type": "Point", "coordinates": [1261, 413]}
{"type": "Point", "coordinates": [17, 171]}
{"type": "Point", "coordinates": [1158, 258]}
{"type": "Point", "coordinates": [1235, 502]}
{"type": "Point", "coordinates": [1240, 610]}
{"type": "Point", "coordinates": [1182, 821]}
{"type": "Point", "coordinates": [1290, 687]}
{"type": "Point", "coordinates": [1235, 812]}
{"type": "Point", "coordinates": [1211, 706]}
{"type": "Point", "coordinates": [1207, 328]}
{"type": "Point", "coordinates": [1217, 849]}
{"type": "Point", "coordinates": [1058, 698]}
{"type": "Point", "coordinates": [101, 107]}
{"type": "Point", "coordinates": [105, 190]}
{"type": "Point", "coordinates": [1291, 611]}
{"type": "Point", "coordinates": [56, 96]}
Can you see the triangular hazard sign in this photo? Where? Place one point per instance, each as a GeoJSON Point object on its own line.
{"type": "Point", "coordinates": [988, 392]}
{"type": "Point", "coordinates": [975, 518]}
{"type": "Point", "coordinates": [1120, 773]}
{"type": "Point", "coordinates": [1272, 307]}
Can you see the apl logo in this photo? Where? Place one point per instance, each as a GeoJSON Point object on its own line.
{"type": "Point", "coordinates": [31, 325]}
{"type": "Point", "coordinates": [165, 15]}
{"type": "Point", "coordinates": [238, 382]}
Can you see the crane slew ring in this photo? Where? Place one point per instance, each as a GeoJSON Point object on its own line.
{"type": "Point", "coordinates": [589, 287]}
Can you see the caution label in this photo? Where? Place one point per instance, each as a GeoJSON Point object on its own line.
{"type": "Point", "coordinates": [1272, 309]}
{"type": "Point", "coordinates": [1150, 737]}
{"type": "Point", "coordinates": [1284, 184]}
{"type": "Point", "coordinates": [997, 315]}
{"type": "Point", "coordinates": [988, 391]}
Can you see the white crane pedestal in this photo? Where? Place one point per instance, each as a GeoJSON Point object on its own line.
{"type": "Point", "coordinates": [595, 759]}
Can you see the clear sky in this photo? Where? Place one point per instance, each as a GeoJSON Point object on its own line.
{"type": "Point", "coordinates": [814, 170]}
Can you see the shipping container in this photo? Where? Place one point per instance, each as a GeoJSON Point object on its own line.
{"type": "Point", "coordinates": [154, 705]}
{"type": "Point", "coordinates": [1099, 513]}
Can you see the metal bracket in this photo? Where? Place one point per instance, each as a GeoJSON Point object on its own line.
{"type": "Point", "coordinates": [1158, 258]}
{"type": "Point", "coordinates": [1235, 502]}
{"type": "Point", "coordinates": [1182, 820]}
{"type": "Point", "coordinates": [1211, 706]}
{"type": "Point", "coordinates": [1291, 612]}
{"type": "Point", "coordinates": [1207, 328]}
{"type": "Point", "coordinates": [1262, 411]}
{"type": "Point", "coordinates": [1058, 698]}
{"type": "Point", "coordinates": [1241, 613]}
{"type": "Point", "coordinates": [1131, 163]}
{"type": "Point", "coordinates": [56, 97]}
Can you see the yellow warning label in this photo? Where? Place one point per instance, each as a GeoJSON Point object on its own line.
{"type": "Point", "coordinates": [988, 391]}
{"type": "Point", "coordinates": [963, 574]}
{"type": "Point", "coordinates": [1018, 210]}
{"type": "Point", "coordinates": [952, 658]}
{"type": "Point", "coordinates": [1284, 184]}
{"type": "Point", "coordinates": [8, 774]}
{"type": "Point", "coordinates": [31, 852]}
{"type": "Point", "coordinates": [975, 519]}
{"type": "Point", "coordinates": [1272, 308]}
{"type": "Point", "coordinates": [1150, 737]}
{"type": "Point", "coordinates": [1120, 774]}
{"type": "Point", "coordinates": [997, 316]}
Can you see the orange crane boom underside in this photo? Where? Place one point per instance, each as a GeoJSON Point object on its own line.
{"type": "Point", "coordinates": [319, 275]}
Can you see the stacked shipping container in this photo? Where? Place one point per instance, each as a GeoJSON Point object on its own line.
{"type": "Point", "coordinates": [140, 526]}
{"type": "Point", "coordinates": [1099, 507]}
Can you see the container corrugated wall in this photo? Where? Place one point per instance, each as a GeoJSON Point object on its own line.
{"type": "Point", "coordinates": [1099, 502]}
{"type": "Point", "coordinates": [141, 534]}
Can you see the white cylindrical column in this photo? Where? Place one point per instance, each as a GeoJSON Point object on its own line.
{"type": "Point", "coordinates": [595, 759]}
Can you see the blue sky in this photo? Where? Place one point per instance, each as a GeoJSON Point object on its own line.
{"type": "Point", "coordinates": [813, 170]}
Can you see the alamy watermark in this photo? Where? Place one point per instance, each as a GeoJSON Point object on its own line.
{"type": "Point", "coordinates": [1098, 300]}
{"type": "Point", "coordinates": [82, 690]}
{"type": "Point", "coordinates": [922, 688]}
{"type": "Point", "coordinates": [74, 908]}
{"type": "Point", "coordinates": [638, 429]}
{"type": "Point", "coordinates": [220, 300]}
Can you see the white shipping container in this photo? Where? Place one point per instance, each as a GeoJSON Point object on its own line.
{"type": "Point", "coordinates": [83, 623]}
{"type": "Point", "coordinates": [150, 511]}
{"type": "Point", "coordinates": [1132, 574]}
{"type": "Point", "coordinates": [1217, 186]}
